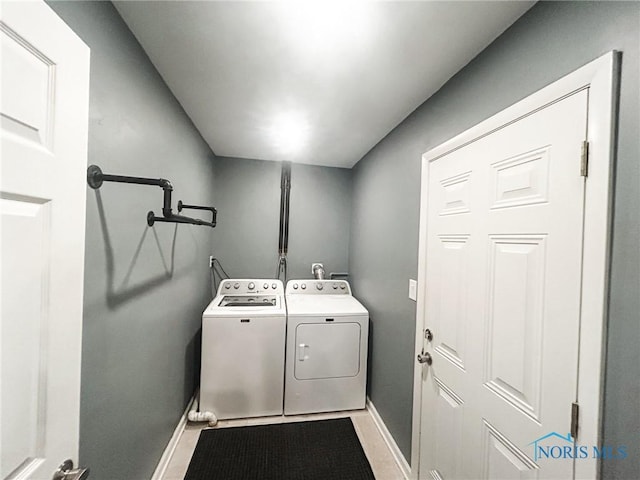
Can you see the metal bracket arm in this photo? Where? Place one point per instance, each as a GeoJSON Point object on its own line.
{"type": "Point", "coordinates": [95, 178]}
{"type": "Point", "coordinates": [214, 212]}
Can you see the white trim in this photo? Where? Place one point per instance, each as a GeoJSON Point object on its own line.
{"type": "Point", "coordinates": [601, 127]}
{"type": "Point", "coordinates": [418, 372]}
{"type": "Point", "coordinates": [389, 440]}
{"type": "Point", "coordinates": [600, 77]}
{"type": "Point", "coordinates": [161, 468]}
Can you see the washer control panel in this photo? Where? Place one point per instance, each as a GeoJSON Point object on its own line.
{"type": "Point", "coordinates": [318, 287]}
{"type": "Point", "coordinates": [260, 286]}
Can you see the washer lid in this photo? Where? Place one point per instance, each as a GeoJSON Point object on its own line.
{"type": "Point", "coordinates": [246, 305]}
{"type": "Point", "coordinates": [250, 301]}
{"type": "Point", "coordinates": [335, 305]}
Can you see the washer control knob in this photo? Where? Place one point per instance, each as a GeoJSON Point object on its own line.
{"type": "Point", "coordinates": [303, 286]}
{"type": "Point", "coordinates": [295, 286]}
{"type": "Point", "coordinates": [265, 286]}
{"type": "Point", "coordinates": [342, 286]}
{"type": "Point", "coordinates": [319, 286]}
{"type": "Point", "coordinates": [251, 286]}
{"type": "Point", "coordinates": [236, 286]}
{"type": "Point", "coordinates": [227, 285]}
{"type": "Point", "coordinates": [335, 286]}
{"type": "Point", "coordinates": [274, 285]}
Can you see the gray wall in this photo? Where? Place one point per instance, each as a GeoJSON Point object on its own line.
{"type": "Point", "coordinates": [145, 288]}
{"type": "Point", "coordinates": [548, 42]}
{"type": "Point", "coordinates": [248, 200]}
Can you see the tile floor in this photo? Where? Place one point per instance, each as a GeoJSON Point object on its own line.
{"type": "Point", "coordinates": [382, 462]}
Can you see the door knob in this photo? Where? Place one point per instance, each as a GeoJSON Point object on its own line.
{"type": "Point", "coordinates": [66, 472]}
{"type": "Point", "coordinates": [425, 358]}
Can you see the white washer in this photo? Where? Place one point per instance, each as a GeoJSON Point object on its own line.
{"type": "Point", "coordinates": [243, 344]}
{"type": "Point", "coordinates": [327, 340]}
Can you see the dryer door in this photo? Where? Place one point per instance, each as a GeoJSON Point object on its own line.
{"type": "Point", "coordinates": [327, 350]}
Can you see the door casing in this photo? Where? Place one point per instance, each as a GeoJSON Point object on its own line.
{"type": "Point", "coordinates": [601, 78]}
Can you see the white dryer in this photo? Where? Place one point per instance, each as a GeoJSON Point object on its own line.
{"type": "Point", "coordinates": [327, 340]}
{"type": "Point", "coordinates": [243, 348]}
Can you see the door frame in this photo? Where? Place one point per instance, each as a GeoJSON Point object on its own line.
{"type": "Point", "coordinates": [601, 78]}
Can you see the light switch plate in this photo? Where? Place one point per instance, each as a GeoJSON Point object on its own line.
{"type": "Point", "coordinates": [413, 290]}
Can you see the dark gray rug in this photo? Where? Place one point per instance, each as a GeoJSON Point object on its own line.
{"type": "Point", "coordinates": [318, 450]}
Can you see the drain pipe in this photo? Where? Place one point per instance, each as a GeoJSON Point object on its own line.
{"type": "Point", "coordinates": [195, 415]}
{"type": "Point", "coordinates": [283, 234]}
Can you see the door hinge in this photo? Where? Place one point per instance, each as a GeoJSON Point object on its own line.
{"type": "Point", "coordinates": [584, 159]}
{"type": "Point", "coordinates": [575, 411]}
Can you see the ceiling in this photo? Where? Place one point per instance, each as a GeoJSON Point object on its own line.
{"type": "Point", "coordinates": [310, 82]}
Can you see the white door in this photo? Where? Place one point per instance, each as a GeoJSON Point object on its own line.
{"type": "Point", "coordinates": [503, 284]}
{"type": "Point", "coordinates": [44, 122]}
{"type": "Point", "coordinates": [327, 350]}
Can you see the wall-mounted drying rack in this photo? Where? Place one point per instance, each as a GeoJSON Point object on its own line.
{"type": "Point", "coordinates": [95, 178]}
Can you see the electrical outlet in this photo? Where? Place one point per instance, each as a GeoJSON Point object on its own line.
{"type": "Point", "coordinates": [413, 290]}
{"type": "Point", "coordinates": [210, 261]}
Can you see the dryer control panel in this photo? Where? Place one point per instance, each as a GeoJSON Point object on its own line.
{"type": "Point", "coordinates": [259, 286]}
{"type": "Point", "coordinates": [318, 287]}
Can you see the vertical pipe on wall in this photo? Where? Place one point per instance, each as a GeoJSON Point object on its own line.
{"type": "Point", "coordinates": [283, 234]}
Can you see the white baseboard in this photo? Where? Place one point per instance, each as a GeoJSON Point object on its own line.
{"type": "Point", "coordinates": [161, 468]}
{"type": "Point", "coordinates": [388, 439]}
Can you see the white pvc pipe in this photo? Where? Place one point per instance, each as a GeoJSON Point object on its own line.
{"type": "Point", "coordinates": [196, 416]}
